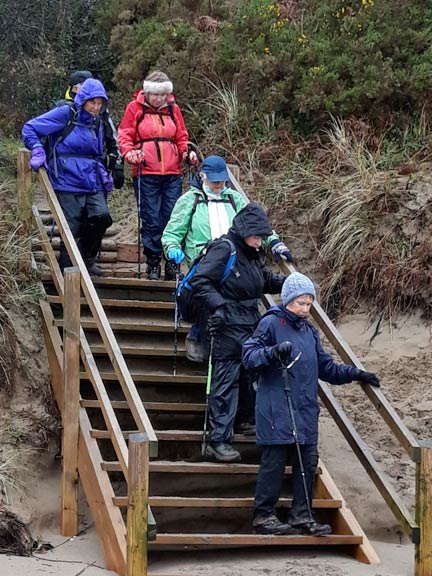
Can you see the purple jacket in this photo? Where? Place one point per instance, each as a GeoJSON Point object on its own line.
{"type": "Point", "coordinates": [76, 163]}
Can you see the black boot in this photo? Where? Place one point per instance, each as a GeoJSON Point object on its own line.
{"type": "Point", "coordinates": [311, 527]}
{"type": "Point", "coordinates": [272, 525]}
{"type": "Point", "coordinates": [153, 267]}
{"type": "Point", "coordinates": [93, 268]}
{"type": "Point", "coordinates": [170, 270]}
{"type": "Point", "coordinates": [222, 452]}
{"type": "Point", "coordinates": [245, 428]}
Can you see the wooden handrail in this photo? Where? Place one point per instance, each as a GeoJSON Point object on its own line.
{"type": "Point", "coordinates": [87, 358]}
{"type": "Point", "coordinates": [113, 350]}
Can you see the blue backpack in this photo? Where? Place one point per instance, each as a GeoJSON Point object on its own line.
{"type": "Point", "coordinates": [184, 295]}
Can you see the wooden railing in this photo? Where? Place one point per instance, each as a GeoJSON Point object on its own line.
{"type": "Point", "coordinates": [418, 529]}
{"type": "Point", "coordinates": [126, 552]}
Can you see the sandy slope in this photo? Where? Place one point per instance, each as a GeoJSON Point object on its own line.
{"type": "Point", "coordinates": [398, 354]}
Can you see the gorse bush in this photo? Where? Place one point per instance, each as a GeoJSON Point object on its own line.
{"type": "Point", "coordinates": [299, 60]}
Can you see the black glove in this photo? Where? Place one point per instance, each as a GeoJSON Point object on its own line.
{"type": "Point", "coordinates": [368, 378]}
{"type": "Point", "coordinates": [283, 352]}
{"type": "Point", "coordinates": [118, 177]}
{"type": "Point", "coordinates": [216, 322]}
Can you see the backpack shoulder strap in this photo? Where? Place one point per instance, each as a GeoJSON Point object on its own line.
{"type": "Point", "coordinates": [232, 202]}
{"type": "Point", "coordinates": [231, 259]}
{"type": "Point", "coordinates": [70, 125]}
{"type": "Point", "coordinates": [171, 110]}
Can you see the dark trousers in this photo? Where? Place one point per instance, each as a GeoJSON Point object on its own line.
{"type": "Point", "coordinates": [271, 475]}
{"type": "Point", "coordinates": [88, 218]}
{"type": "Point", "coordinates": [156, 196]}
{"type": "Point", "coordinates": [230, 396]}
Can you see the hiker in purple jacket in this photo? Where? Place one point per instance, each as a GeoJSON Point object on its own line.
{"type": "Point", "coordinates": [69, 143]}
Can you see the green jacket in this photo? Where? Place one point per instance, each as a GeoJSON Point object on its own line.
{"type": "Point", "coordinates": [191, 232]}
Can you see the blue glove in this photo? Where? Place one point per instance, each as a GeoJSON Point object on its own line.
{"type": "Point", "coordinates": [176, 254]}
{"type": "Point", "coordinates": [279, 250]}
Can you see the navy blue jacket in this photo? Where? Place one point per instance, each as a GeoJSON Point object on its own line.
{"type": "Point", "coordinates": [78, 163]}
{"type": "Point", "coordinates": [273, 420]}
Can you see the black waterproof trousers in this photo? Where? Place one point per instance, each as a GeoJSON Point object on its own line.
{"type": "Point", "coordinates": [88, 218]}
{"type": "Point", "coordinates": [231, 394]}
{"type": "Point", "coordinates": [271, 476]}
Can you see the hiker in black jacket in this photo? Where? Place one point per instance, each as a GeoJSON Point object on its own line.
{"type": "Point", "coordinates": [233, 309]}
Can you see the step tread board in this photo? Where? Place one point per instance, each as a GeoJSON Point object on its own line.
{"type": "Point", "coordinates": [156, 406]}
{"type": "Point", "coordinates": [171, 435]}
{"type": "Point", "coordinates": [182, 467]}
{"type": "Point", "coordinates": [121, 303]}
{"type": "Point", "coordinates": [187, 502]}
{"type": "Point", "coordinates": [255, 540]}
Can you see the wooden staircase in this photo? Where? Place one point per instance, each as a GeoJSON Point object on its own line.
{"type": "Point", "coordinates": [121, 329]}
{"type": "Point", "coordinates": [194, 503]}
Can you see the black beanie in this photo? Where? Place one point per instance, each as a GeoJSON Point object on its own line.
{"type": "Point", "coordinates": [79, 76]}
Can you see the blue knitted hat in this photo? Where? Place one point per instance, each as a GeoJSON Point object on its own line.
{"type": "Point", "coordinates": [296, 285]}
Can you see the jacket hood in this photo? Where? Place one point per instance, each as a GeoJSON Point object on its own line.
{"type": "Point", "coordinates": [196, 181]}
{"type": "Point", "coordinates": [91, 88]}
{"type": "Point", "coordinates": [251, 221]}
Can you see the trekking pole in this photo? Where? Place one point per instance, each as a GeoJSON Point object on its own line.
{"type": "Point", "coordinates": [139, 224]}
{"type": "Point", "coordinates": [287, 389]}
{"type": "Point", "coordinates": [176, 319]}
{"type": "Point", "coordinates": [208, 390]}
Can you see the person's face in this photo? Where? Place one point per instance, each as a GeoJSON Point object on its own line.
{"type": "Point", "coordinates": [156, 100]}
{"type": "Point", "coordinates": [215, 187]}
{"type": "Point", "coordinates": [93, 106]}
{"type": "Point", "coordinates": [76, 88]}
{"type": "Point", "coordinates": [300, 306]}
{"type": "Point", "coordinates": [254, 241]}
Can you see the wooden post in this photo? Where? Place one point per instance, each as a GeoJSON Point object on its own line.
{"type": "Point", "coordinates": [71, 398]}
{"type": "Point", "coordinates": [235, 171]}
{"type": "Point", "coordinates": [423, 560]}
{"type": "Point", "coordinates": [137, 513]}
{"type": "Point", "coordinates": [24, 188]}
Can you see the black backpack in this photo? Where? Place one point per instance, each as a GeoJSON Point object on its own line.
{"type": "Point", "coordinates": [184, 295]}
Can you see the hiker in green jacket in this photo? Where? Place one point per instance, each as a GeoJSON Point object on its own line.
{"type": "Point", "coordinates": [206, 212]}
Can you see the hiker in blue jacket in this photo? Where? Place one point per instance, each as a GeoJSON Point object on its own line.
{"type": "Point", "coordinates": [75, 167]}
{"type": "Point", "coordinates": [284, 338]}
{"type": "Point", "coordinates": [233, 309]}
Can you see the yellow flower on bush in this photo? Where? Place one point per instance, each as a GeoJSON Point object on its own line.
{"type": "Point", "coordinates": [302, 39]}
{"type": "Point", "coordinates": [267, 50]}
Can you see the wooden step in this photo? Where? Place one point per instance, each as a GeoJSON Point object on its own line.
{"type": "Point", "coordinates": [132, 324]}
{"type": "Point", "coordinates": [125, 304]}
{"type": "Point", "coordinates": [172, 435]}
{"type": "Point", "coordinates": [243, 540]}
{"type": "Point", "coordinates": [182, 467]}
{"type": "Point", "coordinates": [186, 502]}
{"type": "Point", "coordinates": [181, 407]}
{"type": "Point", "coordinates": [155, 378]}
{"type": "Point", "coordinates": [143, 345]}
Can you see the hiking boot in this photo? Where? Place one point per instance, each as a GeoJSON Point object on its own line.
{"type": "Point", "coordinates": [272, 525]}
{"type": "Point", "coordinates": [94, 269]}
{"type": "Point", "coordinates": [245, 428]}
{"type": "Point", "coordinates": [222, 452]}
{"type": "Point", "coordinates": [195, 351]}
{"type": "Point", "coordinates": [311, 527]}
{"type": "Point", "coordinates": [170, 270]}
{"type": "Point", "coordinates": [153, 272]}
